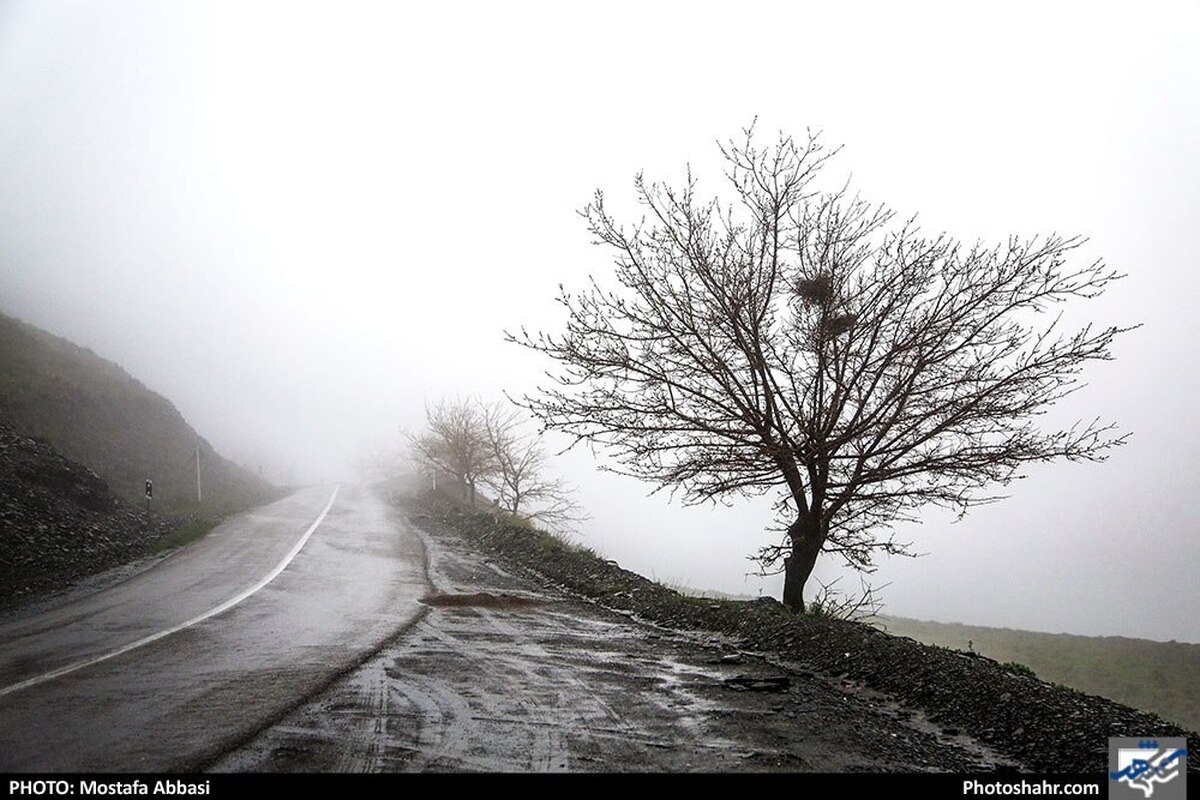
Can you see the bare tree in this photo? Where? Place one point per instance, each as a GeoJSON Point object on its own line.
{"type": "Point", "coordinates": [455, 443]}
{"type": "Point", "coordinates": [808, 344]}
{"type": "Point", "coordinates": [480, 444]}
{"type": "Point", "coordinates": [519, 478]}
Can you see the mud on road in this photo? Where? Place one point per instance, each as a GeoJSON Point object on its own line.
{"type": "Point", "coordinates": [501, 673]}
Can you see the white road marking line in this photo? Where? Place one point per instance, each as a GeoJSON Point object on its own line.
{"type": "Point", "coordinates": [228, 604]}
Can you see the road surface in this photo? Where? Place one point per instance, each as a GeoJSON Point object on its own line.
{"type": "Point", "coordinates": [326, 633]}
{"type": "Point", "coordinates": [507, 674]}
{"type": "Point", "coordinates": [173, 667]}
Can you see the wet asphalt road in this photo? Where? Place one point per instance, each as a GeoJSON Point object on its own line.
{"type": "Point", "coordinates": [505, 673]}
{"type": "Point", "coordinates": [374, 646]}
{"type": "Point", "coordinates": [286, 622]}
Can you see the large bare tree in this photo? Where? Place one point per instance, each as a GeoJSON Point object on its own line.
{"type": "Point", "coordinates": [810, 344]}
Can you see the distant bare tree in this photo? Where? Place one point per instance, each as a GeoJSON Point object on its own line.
{"type": "Point", "coordinates": [519, 477]}
{"type": "Point", "coordinates": [455, 443]}
{"type": "Point", "coordinates": [380, 464]}
{"type": "Point", "coordinates": [803, 343]}
{"type": "Point", "coordinates": [479, 444]}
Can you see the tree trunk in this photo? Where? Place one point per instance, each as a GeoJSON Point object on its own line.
{"type": "Point", "coordinates": [807, 534]}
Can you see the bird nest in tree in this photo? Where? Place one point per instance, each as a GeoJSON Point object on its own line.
{"type": "Point", "coordinates": [839, 324]}
{"type": "Point", "coordinates": [815, 290]}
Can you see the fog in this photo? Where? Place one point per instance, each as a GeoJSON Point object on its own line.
{"type": "Point", "coordinates": [301, 221]}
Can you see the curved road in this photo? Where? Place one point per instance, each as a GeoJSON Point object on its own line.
{"type": "Point", "coordinates": [506, 673]}
{"type": "Point", "coordinates": [171, 668]}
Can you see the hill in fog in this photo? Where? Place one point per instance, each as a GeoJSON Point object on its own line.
{"type": "Point", "coordinates": [93, 412]}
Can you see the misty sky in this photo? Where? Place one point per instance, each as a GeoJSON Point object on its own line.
{"type": "Point", "coordinates": [300, 221]}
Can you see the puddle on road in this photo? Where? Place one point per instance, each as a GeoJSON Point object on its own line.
{"type": "Point", "coordinates": [480, 600]}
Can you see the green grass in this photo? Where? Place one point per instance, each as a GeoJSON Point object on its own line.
{"type": "Point", "coordinates": [555, 543]}
{"type": "Point", "coordinates": [1019, 668]}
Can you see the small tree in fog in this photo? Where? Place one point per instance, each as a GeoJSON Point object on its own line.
{"type": "Point", "coordinates": [381, 464]}
{"type": "Point", "coordinates": [455, 443]}
{"type": "Point", "coordinates": [486, 445]}
{"type": "Point", "coordinates": [809, 345]}
{"type": "Point", "coordinates": [520, 478]}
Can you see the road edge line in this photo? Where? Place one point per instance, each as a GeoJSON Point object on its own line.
{"type": "Point", "coordinates": [212, 612]}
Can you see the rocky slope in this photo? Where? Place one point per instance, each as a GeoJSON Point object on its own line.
{"type": "Point", "coordinates": [59, 522]}
{"type": "Point", "coordinates": [95, 413]}
{"type": "Point", "coordinates": [1048, 727]}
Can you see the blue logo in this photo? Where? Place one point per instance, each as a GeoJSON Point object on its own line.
{"type": "Point", "coordinates": [1146, 765]}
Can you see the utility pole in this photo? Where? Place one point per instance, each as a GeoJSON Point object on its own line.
{"type": "Point", "coordinates": [199, 494]}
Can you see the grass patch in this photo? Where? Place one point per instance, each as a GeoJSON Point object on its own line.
{"type": "Point", "coordinates": [1020, 669]}
{"type": "Point", "coordinates": [554, 543]}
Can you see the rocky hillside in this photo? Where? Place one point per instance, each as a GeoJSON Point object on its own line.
{"type": "Point", "coordinates": [95, 413]}
{"type": "Point", "coordinates": [59, 522]}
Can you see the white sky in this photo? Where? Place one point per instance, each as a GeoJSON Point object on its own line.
{"type": "Point", "coordinates": [300, 220]}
